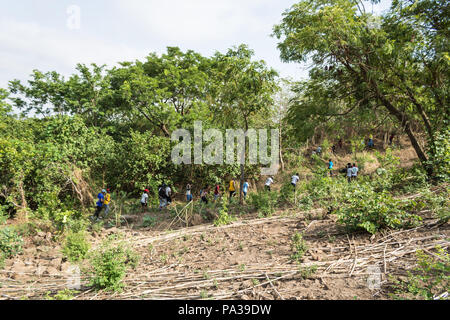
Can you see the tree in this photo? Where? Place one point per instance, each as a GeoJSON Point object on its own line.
{"type": "Point", "coordinates": [363, 62]}
{"type": "Point", "coordinates": [243, 89]}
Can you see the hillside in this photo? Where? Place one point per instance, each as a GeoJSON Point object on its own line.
{"type": "Point", "coordinates": [250, 258]}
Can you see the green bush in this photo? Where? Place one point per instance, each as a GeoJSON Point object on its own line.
{"type": "Point", "coordinates": [439, 155]}
{"type": "Point", "coordinates": [298, 247]}
{"type": "Point", "coordinates": [10, 242]}
{"type": "Point", "coordinates": [148, 221]}
{"type": "Point", "coordinates": [428, 280]}
{"type": "Point", "coordinates": [109, 265]}
{"type": "Point", "coordinates": [287, 193]}
{"type": "Point", "coordinates": [264, 202]}
{"type": "Point", "coordinates": [224, 218]}
{"type": "Point", "coordinates": [76, 246]}
{"type": "Point", "coordinates": [363, 208]}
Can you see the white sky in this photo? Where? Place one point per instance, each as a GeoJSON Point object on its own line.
{"type": "Point", "coordinates": [35, 34]}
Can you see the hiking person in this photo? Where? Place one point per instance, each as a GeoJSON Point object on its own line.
{"type": "Point", "coordinates": [269, 181]}
{"type": "Point", "coordinates": [391, 139]}
{"type": "Point", "coordinates": [107, 201]}
{"type": "Point", "coordinates": [341, 144]}
{"type": "Point", "coordinates": [354, 171]}
{"type": "Point", "coordinates": [189, 193]}
{"type": "Point", "coordinates": [370, 144]}
{"type": "Point", "coordinates": [245, 187]}
{"type": "Point", "coordinates": [349, 172]}
{"type": "Point", "coordinates": [100, 203]}
{"type": "Point", "coordinates": [162, 196]}
{"type": "Point", "coordinates": [144, 200]}
{"type": "Point", "coordinates": [232, 188]}
{"type": "Point", "coordinates": [216, 192]}
{"type": "Point", "coordinates": [330, 167]}
{"type": "Point", "coordinates": [168, 192]}
{"type": "Point", "coordinates": [333, 149]}
{"type": "Point", "coordinates": [319, 150]}
{"type": "Point", "coordinates": [204, 194]}
{"type": "Point", "coordinates": [295, 178]}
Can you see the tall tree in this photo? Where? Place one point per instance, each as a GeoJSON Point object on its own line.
{"type": "Point", "coordinates": [243, 89]}
{"type": "Point", "coordinates": [363, 62]}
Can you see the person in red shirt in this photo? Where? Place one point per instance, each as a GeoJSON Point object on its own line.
{"type": "Point", "coordinates": [216, 192]}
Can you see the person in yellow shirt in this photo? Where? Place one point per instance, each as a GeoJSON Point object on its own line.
{"type": "Point", "coordinates": [107, 201]}
{"type": "Point", "coordinates": [232, 188]}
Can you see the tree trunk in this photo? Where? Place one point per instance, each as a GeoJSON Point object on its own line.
{"type": "Point", "coordinates": [406, 125]}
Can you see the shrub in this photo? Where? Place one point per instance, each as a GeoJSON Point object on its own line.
{"type": "Point", "coordinates": [264, 202]}
{"type": "Point", "coordinates": [298, 247]}
{"type": "Point", "coordinates": [363, 208]}
{"type": "Point", "coordinates": [148, 221]}
{"type": "Point", "coordinates": [76, 246]}
{"type": "Point", "coordinates": [10, 243]}
{"type": "Point", "coordinates": [287, 193]}
{"type": "Point", "coordinates": [65, 294]}
{"type": "Point", "coordinates": [224, 218]}
{"type": "Point", "coordinates": [305, 203]}
{"type": "Point", "coordinates": [428, 280]}
{"type": "Point", "coordinates": [439, 155]}
{"type": "Point", "coordinates": [110, 263]}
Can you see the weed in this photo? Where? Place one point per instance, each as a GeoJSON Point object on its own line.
{"type": "Point", "coordinates": [75, 246]}
{"type": "Point", "coordinates": [298, 247]}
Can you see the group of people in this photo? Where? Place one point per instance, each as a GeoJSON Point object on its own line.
{"type": "Point", "coordinates": [352, 172]}
{"type": "Point", "coordinates": [104, 199]}
{"type": "Point", "coordinates": [165, 192]}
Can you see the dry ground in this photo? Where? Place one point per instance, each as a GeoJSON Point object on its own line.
{"type": "Point", "coordinates": [249, 259]}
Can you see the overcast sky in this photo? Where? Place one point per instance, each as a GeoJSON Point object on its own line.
{"type": "Point", "coordinates": [45, 35]}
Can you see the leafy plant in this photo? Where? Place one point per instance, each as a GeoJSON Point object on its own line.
{"type": "Point", "coordinates": [298, 247]}
{"type": "Point", "coordinates": [76, 246]}
{"type": "Point", "coordinates": [363, 208]}
{"type": "Point", "coordinates": [224, 218]}
{"type": "Point", "coordinates": [428, 280]}
{"type": "Point", "coordinates": [110, 263]}
{"type": "Point", "coordinates": [11, 242]}
{"type": "Point", "coordinates": [264, 202]}
{"type": "Point", "coordinates": [148, 221]}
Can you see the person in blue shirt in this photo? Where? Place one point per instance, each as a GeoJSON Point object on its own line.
{"type": "Point", "coordinates": [330, 167]}
{"type": "Point", "coordinates": [100, 202]}
{"type": "Point", "coordinates": [245, 187]}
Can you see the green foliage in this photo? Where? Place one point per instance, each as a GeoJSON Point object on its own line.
{"type": "Point", "coordinates": [110, 263]}
{"type": "Point", "coordinates": [264, 202]}
{"type": "Point", "coordinates": [428, 280]}
{"type": "Point", "coordinates": [224, 218]}
{"type": "Point", "coordinates": [11, 242]}
{"type": "Point", "coordinates": [148, 221]}
{"type": "Point", "coordinates": [65, 294]}
{"type": "Point", "coordinates": [287, 193]}
{"type": "Point", "coordinates": [439, 155]}
{"type": "Point", "coordinates": [307, 272]}
{"type": "Point", "coordinates": [363, 208]}
{"type": "Point", "coordinates": [298, 247]}
{"type": "Point", "coordinates": [76, 246]}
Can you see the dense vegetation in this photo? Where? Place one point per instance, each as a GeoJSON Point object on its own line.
{"type": "Point", "coordinates": [111, 127]}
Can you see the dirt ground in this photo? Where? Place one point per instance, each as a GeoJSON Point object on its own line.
{"type": "Point", "coordinates": [249, 259]}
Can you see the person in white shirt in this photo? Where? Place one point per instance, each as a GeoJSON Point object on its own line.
{"type": "Point", "coordinates": [269, 181]}
{"type": "Point", "coordinates": [349, 173]}
{"type": "Point", "coordinates": [144, 200]}
{"type": "Point", "coordinates": [354, 172]}
{"type": "Point", "coordinates": [295, 178]}
{"type": "Point", "coordinates": [168, 195]}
